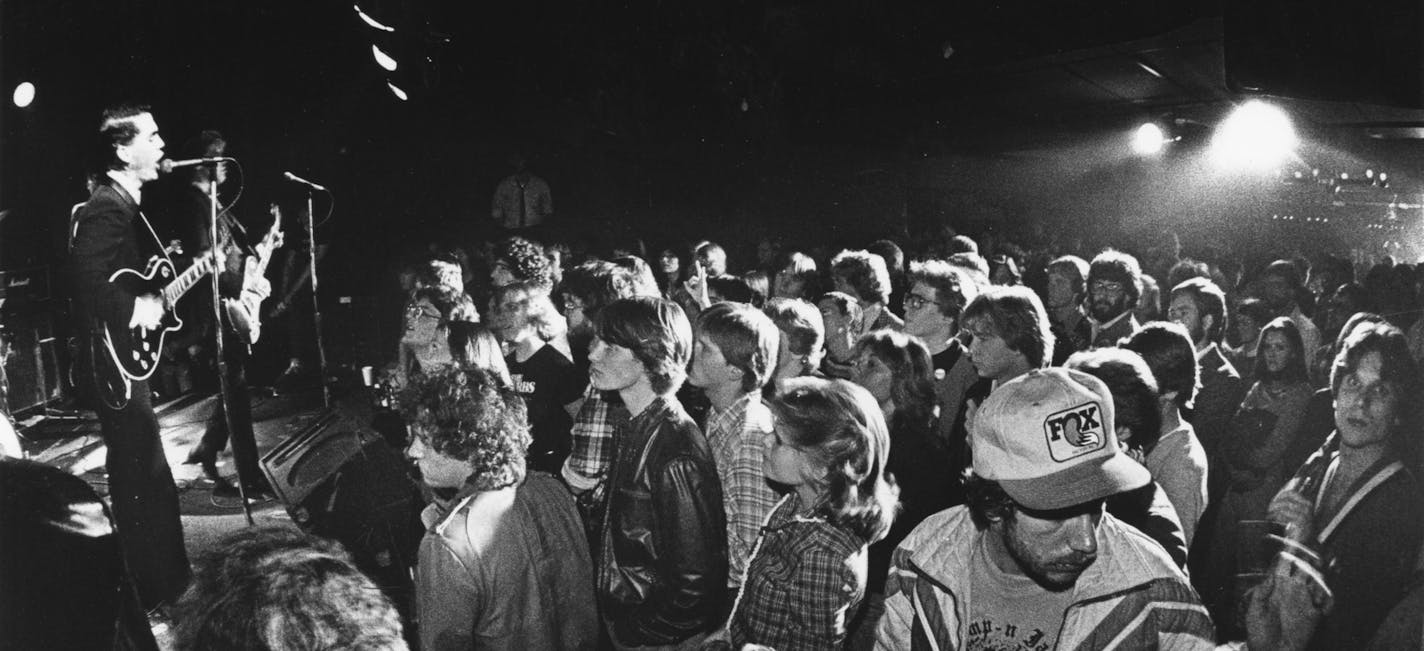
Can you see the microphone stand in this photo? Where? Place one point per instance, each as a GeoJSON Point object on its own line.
{"type": "Point", "coordinates": [316, 305]}
{"type": "Point", "coordinates": [220, 265]}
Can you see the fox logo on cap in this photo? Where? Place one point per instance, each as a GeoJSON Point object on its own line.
{"type": "Point", "coordinates": [1074, 432]}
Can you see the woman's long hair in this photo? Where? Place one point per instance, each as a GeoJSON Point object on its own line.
{"type": "Point", "coordinates": [839, 425]}
{"type": "Point", "coordinates": [912, 389]}
{"type": "Point", "coordinates": [1295, 369]}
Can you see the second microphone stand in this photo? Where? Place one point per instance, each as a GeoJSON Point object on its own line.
{"type": "Point", "coordinates": [220, 265]}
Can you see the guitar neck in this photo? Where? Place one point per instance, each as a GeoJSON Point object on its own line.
{"type": "Point", "coordinates": [190, 277]}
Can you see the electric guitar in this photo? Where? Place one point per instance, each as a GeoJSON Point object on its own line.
{"type": "Point", "coordinates": [244, 312]}
{"type": "Point", "coordinates": [135, 351]}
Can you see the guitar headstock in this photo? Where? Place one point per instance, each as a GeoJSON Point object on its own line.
{"type": "Point", "coordinates": [275, 237]}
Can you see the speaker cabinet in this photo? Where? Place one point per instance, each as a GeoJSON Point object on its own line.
{"type": "Point", "coordinates": [341, 481]}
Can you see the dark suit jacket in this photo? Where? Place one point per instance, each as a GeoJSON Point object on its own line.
{"type": "Point", "coordinates": [106, 239]}
{"type": "Point", "coordinates": [1220, 396]}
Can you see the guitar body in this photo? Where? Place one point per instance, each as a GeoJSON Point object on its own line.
{"type": "Point", "coordinates": [244, 312]}
{"type": "Point", "coordinates": [135, 352]}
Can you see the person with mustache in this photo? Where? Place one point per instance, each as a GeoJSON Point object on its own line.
{"type": "Point", "coordinates": [1114, 285]}
{"type": "Point", "coordinates": [1032, 560]}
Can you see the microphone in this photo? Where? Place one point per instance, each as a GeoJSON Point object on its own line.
{"type": "Point", "coordinates": [168, 165]}
{"type": "Point", "coordinates": [297, 179]}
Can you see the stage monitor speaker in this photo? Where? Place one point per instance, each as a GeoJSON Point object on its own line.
{"type": "Point", "coordinates": [1368, 52]}
{"type": "Point", "coordinates": [341, 481]}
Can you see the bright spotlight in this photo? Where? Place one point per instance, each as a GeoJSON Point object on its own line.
{"type": "Point", "coordinates": [395, 90]}
{"type": "Point", "coordinates": [24, 94]}
{"type": "Point", "coordinates": [382, 59]}
{"type": "Point", "coordinates": [1256, 136]}
{"type": "Point", "coordinates": [1148, 139]}
{"type": "Point", "coordinates": [375, 24]}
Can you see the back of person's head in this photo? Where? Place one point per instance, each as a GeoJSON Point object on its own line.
{"type": "Point", "coordinates": [912, 371]}
{"type": "Point", "coordinates": [843, 303]}
{"type": "Point", "coordinates": [273, 588]}
{"type": "Point", "coordinates": [1168, 351]}
{"type": "Point", "coordinates": [891, 253]}
{"type": "Point", "coordinates": [963, 244]}
{"type": "Point", "coordinates": [656, 330]}
{"type": "Point", "coordinates": [729, 288]}
{"type": "Point", "coordinates": [1018, 316]}
{"type": "Point", "coordinates": [61, 574]}
{"type": "Point", "coordinates": [472, 345]}
{"type": "Point", "coordinates": [1285, 270]}
{"type": "Point", "coordinates": [747, 338]}
{"type": "Point", "coordinates": [471, 415]}
{"type": "Point", "coordinates": [796, 277]}
{"type": "Point", "coordinates": [800, 325]}
{"type": "Point", "coordinates": [840, 426]}
{"type": "Point", "coordinates": [973, 263]}
{"type": "Point", "coordinates": [1134, 392]}
{"type": "Point", "coordinates": [637, 275]}
{"type": "Point", "coordinates": [1294, 370]}
{"type": "Point", "coordinates": [863, 272]}
{"type": "Point", "coordinates": [759, 284]}
{"type": "Point", "coordinates": [525, 260]}
{"type": "Point", "coordinates": [1185, 269]}
{"type": "Point", "coordinates": [1210, 302]}
{"type": "Point", "coordinates": [712, 256]}
{"type": "Point", "coordinates": [954, 288]}
{"type": "Point", "coordinates": [1254, 309]}
{"type": "Point", "coordinates": [1115, 266]}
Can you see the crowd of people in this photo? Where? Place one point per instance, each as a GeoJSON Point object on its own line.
{"type": "Point", "coordinates": [950, 449]}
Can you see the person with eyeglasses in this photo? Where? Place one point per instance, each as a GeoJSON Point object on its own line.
{"type": "Point", "coordinates": [1114, 285]}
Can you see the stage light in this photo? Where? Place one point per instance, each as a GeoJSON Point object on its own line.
{"type": "Point", "coordinates": [1148, 139]}
{"type": "Point", "coordinates": [395, 90]}
{"type": "Point", "coordinates": [1256, 136]}
{"type": "Point", "coordinates": [24, 94]}
{"type": "Point", "coordinates": [372, 22]}
{"type": "Point", "coordinates": [382, 59]}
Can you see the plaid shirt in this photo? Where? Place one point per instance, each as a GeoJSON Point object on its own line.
{"type": "Point", "coordinates": [736, 435]}
{"type": "Point", "coordinates": [805, 578]}
{"type": "Point", "coordinates": [592, 442]}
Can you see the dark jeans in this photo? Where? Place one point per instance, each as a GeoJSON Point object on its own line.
{"type": "Point", "coordinates": [244, 442]}
{"type": "Point", "coordinates": [145, 501]}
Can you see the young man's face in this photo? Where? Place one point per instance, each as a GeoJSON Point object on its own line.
{"type": "Point", "coordinates": [613, 367]}
{"type": "Point", "coordinates": [436, 469]}
{"type": "Point", "coordinates": [1367, 405]}
{"type": "Point", "coordinates": [923, 318]}
{"type": "Point", "coordinates": [1051, 548]}
{"type": "Point", "coordinates": [1060, 290]}
{"type": "Point", "coordinates": [145, 150]}
{"type": "Point", "coordinates": [1183, 310]}
{"type": "Point", "coordinates": [990, 354]}
{"type": "Point", "coordinates": [709, 368]}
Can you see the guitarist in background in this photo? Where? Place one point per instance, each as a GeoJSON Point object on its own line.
{"type": "Point", "coordinates": [193, 215]}
{"type": "Point", "coordinates": [109, 233]}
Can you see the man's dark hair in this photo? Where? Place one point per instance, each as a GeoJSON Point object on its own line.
{"type": "Point", "coordinates": [116, 127]}
{"type": "Point", "coordinates": [1115, 266]}
{"type": "Point", "coordinates": [470, 415]}
{"type": "Point", "coordinates": [656, 330]}
{"type": "Point", "coordinates": [274, 587]}
{"type": "Point", "coordinates": [800, 324]}
{"type": "Point", "coordinates": [963, 244]}
{"type": "Point", "coordinates": [891, 252]}
{"type": "Point", "coordinates": [731, 288]}
{"type": "Point", "coordinates": [1210, 301]}
{"type": "Point", "coordinates": [597, 283]}
{"type": "Point", "coordinates": [1255, 309]}
{"type": "Point", "coordinates": [1133, 389]}
{"type": "Point", "coordinates": [1168, 351]}
{"type": "Point", "coordinates": [1186, 269]}
{"type": "Point", "coordinates": [866, 273]}
{"type": "Point", "coordinates": [526, 261]}
{"type": "Point", "coordinates": [986, 500]}
{"type": "Point", "coordinates": [1018, 317]}
{"type": "Point", "coordinates": [1286, 270]}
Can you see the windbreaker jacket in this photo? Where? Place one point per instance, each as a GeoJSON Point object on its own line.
{"type": "Point", "coordinates": [1132, 597]}
{"type": "Point", "coordinates": [662, 575]}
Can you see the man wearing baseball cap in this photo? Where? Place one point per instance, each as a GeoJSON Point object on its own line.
{"type": "Point", "coordinates": [1032, 562]}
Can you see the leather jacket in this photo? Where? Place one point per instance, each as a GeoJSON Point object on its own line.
{"type": "Point", "coordinates": [662, 574]}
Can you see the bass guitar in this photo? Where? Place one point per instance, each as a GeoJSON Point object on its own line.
{"type": "Point", "coordinates": [243, 312]}
{"type": "Point", "coordinates": [135, 351]}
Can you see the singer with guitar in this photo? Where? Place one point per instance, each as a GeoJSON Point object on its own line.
{"type": "Point", "coordinates": [110, 234]}
{"type": "Point", "coordinates": [193, 214]}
